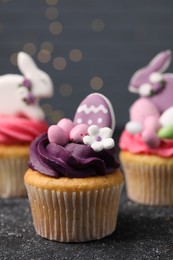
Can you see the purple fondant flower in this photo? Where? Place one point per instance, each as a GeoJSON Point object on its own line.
{"type": "Point", "coordinates": [30, 99]}
{"type": "Point", "coordinates": [27, 83]}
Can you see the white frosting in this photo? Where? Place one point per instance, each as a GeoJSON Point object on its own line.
{"type": "Point", "coordinates": [13, 92]}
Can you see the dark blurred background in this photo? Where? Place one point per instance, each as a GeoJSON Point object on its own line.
{"type": "Point", "coordinates": [85, 45]}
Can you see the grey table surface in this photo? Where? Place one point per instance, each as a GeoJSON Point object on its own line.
{"type": "Point", "coordinates": [143, 232]}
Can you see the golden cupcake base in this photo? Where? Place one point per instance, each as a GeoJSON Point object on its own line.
{"type": "Point", "coordinates": [148, 178]}
{"type": "Point", "coordinates": [13, 165]}
{"type": "Point", "coordinates": [74, 210]}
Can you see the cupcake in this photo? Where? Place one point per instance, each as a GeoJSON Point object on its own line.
{"type": "Point", "coordinates": [147, 141]}
{"type": "Point", "coordinates": [21, 120]}
{"type": "Point", "coordinates": [73, 181]}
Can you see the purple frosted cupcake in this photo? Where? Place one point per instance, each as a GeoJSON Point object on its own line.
{"type": "Point", "coordinates": [74, 183]}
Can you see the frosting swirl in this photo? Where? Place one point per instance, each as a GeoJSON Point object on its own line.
{"type": "Point", "coordinates": [20, 130]}
{"type": "Point", "coordinates": [71, 160]}
{"type": "Point", "coordinates": [135, 144]}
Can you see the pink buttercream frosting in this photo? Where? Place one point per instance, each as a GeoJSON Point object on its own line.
{"type": "Point", "coordinates": [135, 144]}
{"type": "Point", "coordinates": [20, 130]}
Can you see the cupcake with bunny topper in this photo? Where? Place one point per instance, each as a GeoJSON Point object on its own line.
{"type": "Point", "coordinates": [21, 120]}
{"type": "Point", "coordinates": [73, 181]}
{"type": "Point", "coordinates": [147, 141]}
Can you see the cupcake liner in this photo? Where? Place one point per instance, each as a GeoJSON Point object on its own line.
{"type": "Point", "coordinates": [148, 183]}
{"type": "Point", "coordinates": [12, 171]}
{"type": "Point", "coordinates": [74, 216]}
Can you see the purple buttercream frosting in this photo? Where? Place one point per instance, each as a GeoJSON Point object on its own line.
{"type": "Point", "coordinates": [72, 160]}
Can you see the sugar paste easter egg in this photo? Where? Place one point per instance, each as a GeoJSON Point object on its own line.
{"type": "Point", "coordinates": [166, 118]}
{"type": "Point", "coordinates": [78, 132]}
{"type": "Point", "coordinates": [57, 135]}
{"type": "Point", "coordinates": [95, 109]}
{"type": "Point", "coordinates": [66, 124]}
{"type": "Point", "coordinates": [166, 132]}
{"type": "Point", "coordinates": [133, 127]}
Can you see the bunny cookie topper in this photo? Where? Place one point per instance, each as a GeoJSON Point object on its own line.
{"type": "Point", "coordinates": [152, 83]}
{"type": "Point", "coordinates": [20, 94]}
{"type": "Point", "coordinates": [151, 115]}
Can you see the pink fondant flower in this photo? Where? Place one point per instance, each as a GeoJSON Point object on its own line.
{"type": "Point", "coordinates": [99, 138]}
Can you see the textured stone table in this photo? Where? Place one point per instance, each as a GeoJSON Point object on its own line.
{"type": "Point", "coordinates": [142, 233]}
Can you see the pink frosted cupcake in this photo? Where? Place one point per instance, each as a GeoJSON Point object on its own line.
{"type": "Point", "coordinates": [147, 141]}
{"type": "Point", "coordinates": [74, 183]}
{"type": "Point", "coordinates": [21, 120]}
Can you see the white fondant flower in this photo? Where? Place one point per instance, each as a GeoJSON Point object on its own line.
{"type": "Point", "coordinates": [99, 138]}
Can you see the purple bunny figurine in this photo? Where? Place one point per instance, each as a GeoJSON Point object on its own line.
{"type": "Point", "coordinates": [156, 91]}
{"type": "Point", "coordinates": [150, 82]}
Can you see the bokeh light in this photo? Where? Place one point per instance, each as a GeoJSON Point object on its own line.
{"type": "Point", "coordinates": [13, 58]}
{"type": "Point", "coordinates": [96, 83]}
{"type": "Point", "coordinates": [44, 56]}
{"type": "Point", "coordinates": [47, 108]}
{"type": "Point", "coordinates": [51, 2]}
{"type": "Point", "coordinates": [97, 25]}
{"type": "Point", "coordinates": [52, 13]}
{"type": "Point", "coordinates": [30, 48]}
{"type": "Point", "coordinates": [47, 46]}
{"type": "Point", "coordinates": [65, 90]}
{"type": "Point", "coordinates": [75, 55]}
{"type": "Point", "coordinates": [55, 27]}
{"type": "Point", "coordinates": [55, 116]}
{"type": "Point", "coordinates": [59, 63]}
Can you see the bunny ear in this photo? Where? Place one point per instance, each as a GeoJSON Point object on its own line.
{"type": "Point", "coordinates": [161, 61]}
{"type": "Point", "coordinates": [25, 63]}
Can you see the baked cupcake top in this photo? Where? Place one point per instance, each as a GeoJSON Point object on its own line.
{"type": "Point", "coordinates": [21, 117]}
{"type": "Point", "coordinates": [80, 148]}
{"type": "Point", "coordinates": [150, 129]}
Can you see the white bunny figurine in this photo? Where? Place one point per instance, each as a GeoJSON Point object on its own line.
{"type": "Point", "coordinates": [20, 94]}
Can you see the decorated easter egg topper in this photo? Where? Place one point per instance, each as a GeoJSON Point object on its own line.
{"type": "Point", "coordinates": [151, 115]}
{"type": "Point", "coordinates": [20, 94]}
{"type": "Point", "coordinates": [95, 109]}
{"type": "Point", "coordinates": [93, 125]}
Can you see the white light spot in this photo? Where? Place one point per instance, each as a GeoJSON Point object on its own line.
{"type": "Point", "coordinates": [65, 90]}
